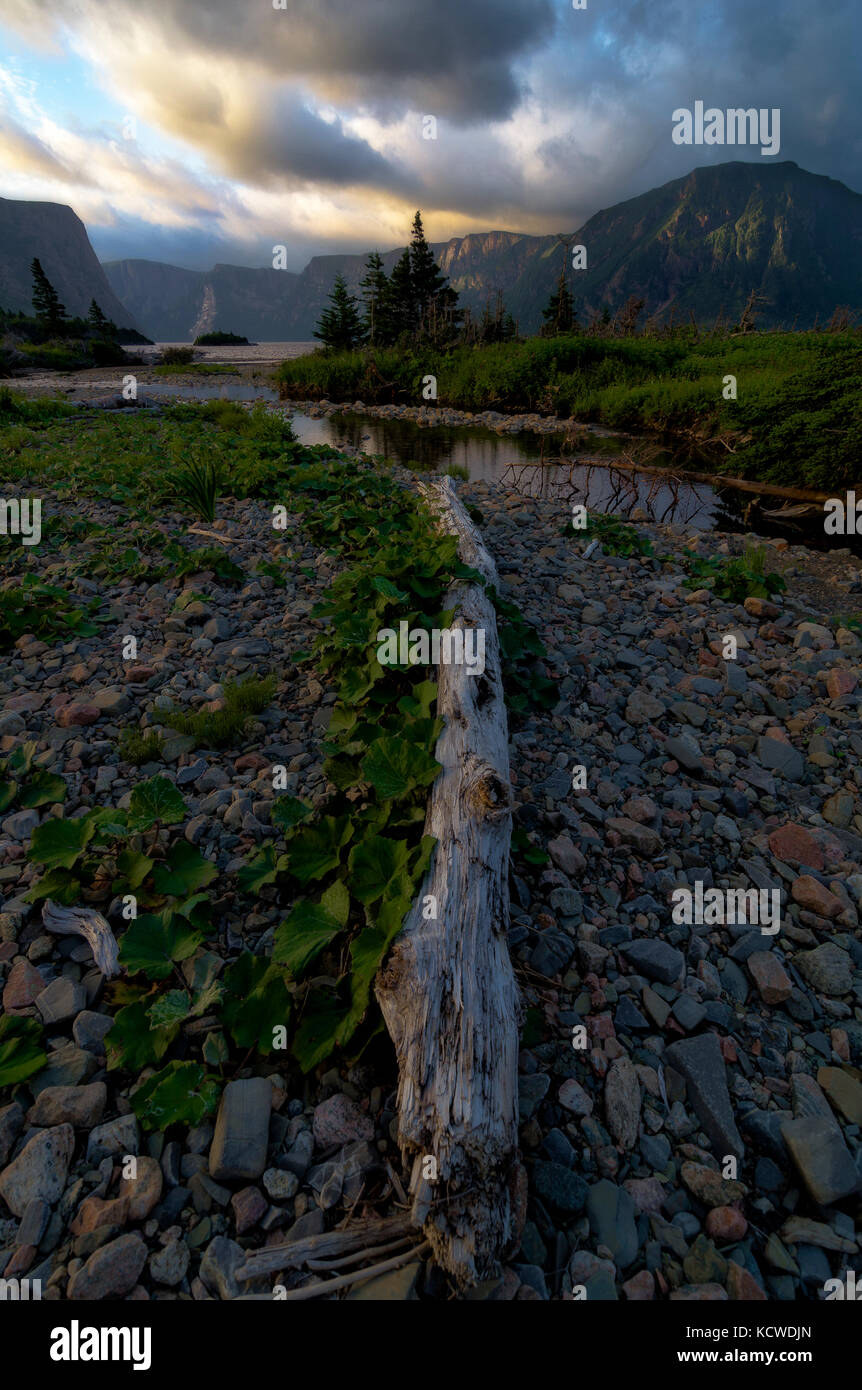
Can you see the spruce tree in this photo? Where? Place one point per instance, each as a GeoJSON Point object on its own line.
{"type": "Point", "coordinates": [340, 326]}
{"type": "Point", "coordinates": [400, 304]}
{"type": "Point", "coordinates": [559, 315]}
{"type": "Point", "coordinates": [46, 301]}
{"type": "Point", "coordinates": [375, 297]}
{"type": "Point", "coordinates": [96, 319]}
{"type": "Point", "coordinates": [435, 302]}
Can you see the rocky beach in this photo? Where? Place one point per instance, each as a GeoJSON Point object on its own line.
{"type": "Point", "coordinates": [690, 1092]}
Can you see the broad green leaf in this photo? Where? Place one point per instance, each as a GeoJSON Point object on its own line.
{"type": "Point", "coordinates": [58, 843]}
{"type": "Point", "coordinates": [59, 884]}
{"type": "Point", "coordinates": [366, 953]}
{"type": "Point", "coordinates": [305, 933]}
{"type": "Point", "coordinates": [20, 760]}
{"type": "Point", "coordinates": [202, 971]}
{"type": "Point", "coordinates": [132, 1043]}
{"type": "Point", "coordinates": [151, 945]}
{"type": "Point", "coordinates": [389, 915]}
{"type": "Point", "coordinates": [420, 700]}
{"type": "Point", "coordinates": [132, 868]}
{"type": "Point", "coordinates": [315, 1038]}
{"type": "Point", "coordinates": [263, 869]}
{"type": "Point", "coordinates": [43, 789]}
{"type": "Point", "coordinates": [215, 1049]}
{"type": "Point", "coordinates": [289, 811]}
{"type": "Point", "coordinates": [256, 1001]}
{"type": "Point", "coordinates": [7, 795]}
{"type": "Point", "coordinates": [169, 1008]}
{"type": "Point", "coordinates": [394, 767]}
{"type": "Point", "coordinates": [185, 870]}
{"type": "Point", "coordinates": [315, 849]}
{"type": "Point", "coordinates": [181, 1092]}
{"type": "Point", "coordinates": [155, 801]}
{"type": "Point", "coordinates": [336, 900]}
{"type": "Point", "coordinates": [21, 1053]}
{"type": "Point", "coordinates": [374, 863]}
{"type": "Point", "coordinates": [206, 999]}
{"type": "Point", "coordinates": [421, 857]}
{"type": "Point", "coordinates": [388, 589]}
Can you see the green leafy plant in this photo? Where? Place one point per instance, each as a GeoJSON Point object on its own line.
{"type": "Point", "coordinates": [744, 576]}
{"type": "Point", "coordinates": [21, 1053]}
{"type": "Point", "coordinates": [22, 787]}
{"type": "Point", "coordinates": [29, 605]}
{"type": "Point", "coordinates": [197, 484]}
{"type": "Point", "coordinates": [223, 728]}
{"type": "Point", "coordinates": [138, 746]}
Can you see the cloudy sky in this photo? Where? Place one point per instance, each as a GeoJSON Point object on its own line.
{"type": "Point", "coordinates": [193, 131]}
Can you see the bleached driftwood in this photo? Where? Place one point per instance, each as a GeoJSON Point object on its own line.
{"type": "Point", "coordinates": [328, 1244]}
{"type": "Point", "coordinates": [86, 922]}
{"type": "Point", "coordinates": [447, 990]}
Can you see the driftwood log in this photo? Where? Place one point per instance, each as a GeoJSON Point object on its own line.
{"type": "Point", "coordinates": [447, 990]}
{"type": "Point", "coordinates": [91, 925]}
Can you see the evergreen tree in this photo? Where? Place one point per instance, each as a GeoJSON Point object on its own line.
{"type": "Point", "coordinates": [375, 297]}
{"type": "Point", "coordinates": [399, 303]}
{"type": "Point", "coordinates": [559, 315]}
{"type": "Point", "coordinates": [96, 319]}
{"type": "Point", "coordinates": [340, 326]}
{"type": "Point", "coordinates": [46, 301]}
{"type": "Point", "coordinates": [435, 303]}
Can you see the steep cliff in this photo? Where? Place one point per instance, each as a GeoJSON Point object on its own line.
{"type": "Point", "coordinates": [58, 238]}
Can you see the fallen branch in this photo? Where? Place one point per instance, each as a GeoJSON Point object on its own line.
{"type": "Point", "coordinates": [447, 991]}
{"type": "Point", "coordinates": [329, 1244]}
{"type": "Point", "coordinates": [91, 925]}
{"type": "Point", "coordinates": [216, 535]}
{"type": "Point", "coordinates": [344, 1281]}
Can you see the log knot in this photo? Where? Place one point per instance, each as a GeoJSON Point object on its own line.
{"type": "Point", "coordinates": [486, 794]}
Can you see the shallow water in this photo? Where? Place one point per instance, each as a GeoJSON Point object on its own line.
{"type": "Point", "coordinates": [526, 463]}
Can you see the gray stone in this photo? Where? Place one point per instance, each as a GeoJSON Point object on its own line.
{"type": "Point", "coordinates": [169, 1265]}
{"type": "Point", "coordinates": [623, 1102]}
{"type": "Point", "coordinates": [781, 757]}
{"type": "Point", "coordinates": [700, 1061]}
{"type": "Point", "coordinates": [242, 1130]}
{"type": "Point", "coordinates": [824, 1162]}
{"type": "Point", "coordinates": [655, 959]}
{"type": "Point", "coordinates": [11, 1124]}
{"type": "Point", "coordinates": [111, 1272]}
{"type": "Point", "coordinates": [557, 1185]}
{"type": "Point", "coordinates": [531, 1092]}
{"type": "Point", "coordinates": [280, 1185]}
{"type": "Point", "coordinates": [66, 1066]}
{"type": "Point", "coordinates": [61, 1000]}
{"type": "Point", "coordinates": [75, 1105]}
{"type": "Point", "coordinates": [686, 753]}
{"type": "Point", "coordinates": [221, 1260]}
{"type": "Point", "coordinates": [611, 1213]}
{"type": "Point", "coordinates": [90, 1029]}
{"type": "Point", "coordinates": [120, 1136]}
{"type": "Point", "coordinates": [827, 969]}
{"type": "Point", "coordinates": [40, 1170]}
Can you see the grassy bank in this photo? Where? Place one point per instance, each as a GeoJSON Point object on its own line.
{"type": "Point", "coordinates": [797, 419]}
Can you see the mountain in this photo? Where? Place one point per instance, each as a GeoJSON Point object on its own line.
{"type": "Point", "coordinates": [58, 238]}
{"type": "Point", "coordinates": [700, 244]}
